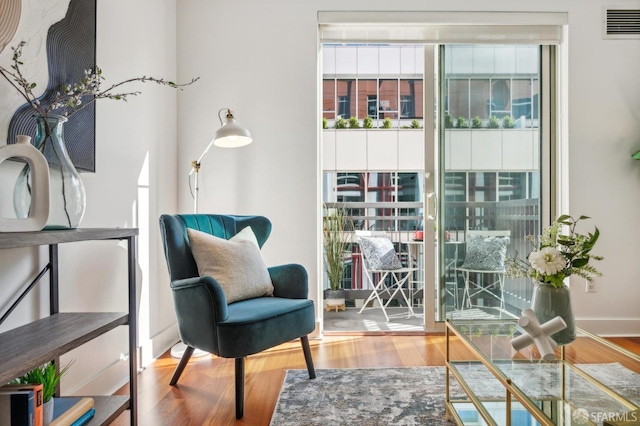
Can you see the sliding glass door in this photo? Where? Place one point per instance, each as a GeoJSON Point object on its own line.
{"type": "Point", "coordinates": [444, 189]}
{"type": "Point", "coordinates": [492, 174]}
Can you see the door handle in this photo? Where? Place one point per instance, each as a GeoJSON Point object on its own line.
{"type": "Point", "coordinates": [432, 206]}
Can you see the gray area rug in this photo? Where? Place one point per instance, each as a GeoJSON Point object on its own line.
{"type": "Point", "coordinates": [413, 395]}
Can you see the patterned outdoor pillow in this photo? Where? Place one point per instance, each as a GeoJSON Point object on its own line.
{"type": "Point", "coordinates": [485, 253]}
{"type": "Point", "coordinates": [379, 253]}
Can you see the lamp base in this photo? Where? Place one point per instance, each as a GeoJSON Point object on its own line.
{"type": "Point", "coordinates": [178, 349]}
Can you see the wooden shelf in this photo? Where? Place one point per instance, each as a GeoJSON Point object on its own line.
{"type": "Point", "coordinates": [41, 238]}
{"type": "Point", "coordinates": [108, 408]}
{"type": "Point", "coordinates": [41, 341]}
{"type": "Point", "coordinates": [37, 343]}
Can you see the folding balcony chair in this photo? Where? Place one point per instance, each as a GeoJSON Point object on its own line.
{"type": "Point", "coordinates": [483, 269]}
{"type": "Point", "coordinates": [381, 261]}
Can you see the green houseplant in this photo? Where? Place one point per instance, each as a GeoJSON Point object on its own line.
{"type": "Point", "coordinates": [335, 243]}
{"type": "Point", "coordinates": [508, 122]}
{"type": "Point", "coordinates": [49, 376]}
{"type": "Point", "coordinates": [340, 123]}
{"type": "Point", "coordinates": [448, 121]}
{"type": "Point", "coordinates": [461, 123]}
{"type": "Point", "coordinates": [476, 123]}
{"type": "Point", "coordinates": [46, 375]}
{"type": "Point", "coordinates": [367, 123]}
{"type": "Point", "coordinates": [386, 124]}
{"type": "Point", "coordinates": [354, 123]}
{"type": "Point", "coordinates": [493, 123]}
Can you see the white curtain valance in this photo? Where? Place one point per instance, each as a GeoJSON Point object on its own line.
{"type": "Point", "coordinates": [442, 27]}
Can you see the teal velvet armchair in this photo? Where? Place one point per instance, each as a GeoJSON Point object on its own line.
{"type": "Point", "coordinates": [207, 322]}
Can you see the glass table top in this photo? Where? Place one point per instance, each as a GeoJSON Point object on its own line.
{"type": "Point", "coordinates": [588, 378]}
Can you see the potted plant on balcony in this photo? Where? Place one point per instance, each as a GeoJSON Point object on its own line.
{"type": "Point", "coordinates": [508, 122]}
{"type": "Point", "coordinates": [335, 242]}
{"type": "Point", "coordinates": [493, 123]}
{"type": "Point", "coordinates": [340, 123]}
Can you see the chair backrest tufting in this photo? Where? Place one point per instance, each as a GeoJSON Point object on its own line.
{"type": "Point", "coordinates": [177, 249]}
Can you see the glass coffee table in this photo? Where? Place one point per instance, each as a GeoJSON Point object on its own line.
{"type": "Point", "coordinates": [592, 381]}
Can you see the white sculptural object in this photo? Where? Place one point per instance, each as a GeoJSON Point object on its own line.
{"type": "Point", "coordinates": [538, 333]}
{"type": "Point", "coordinates": [39, 211]}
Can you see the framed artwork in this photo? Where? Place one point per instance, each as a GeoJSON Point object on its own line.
{"type": "Point", "coordinates": [70, 49]}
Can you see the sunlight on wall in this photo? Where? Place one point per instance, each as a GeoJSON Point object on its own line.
{"type": "Point", "coordinates": [141, 221]}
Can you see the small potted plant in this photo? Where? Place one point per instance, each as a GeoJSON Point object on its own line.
{"type": "Point", "coordinates": [340, 123]}
{"type": "Point", "coordinates": [461, 123]}
{"type": "Point", "coordinates": [354, 123]}
{"type": "Point", "coordinates": [386, 124]}
{"type": "Point", "coordinates": [476, 123]}
{"type": "Point", "coordinates": [448, 121]}
{"type": "Point", "coordinates": [493, 123]}
{"type": "Point", "coordinates": [49, 377]}
{"type": "Point", "coordinates": [335, 243]}
{"type": "Point", "coordinates": [508, 122]}
{"type": "Point", "coordinates": [367, 123]}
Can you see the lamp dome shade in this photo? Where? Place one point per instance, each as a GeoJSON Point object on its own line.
{"type": "Point", "coordinates": [232, 135]}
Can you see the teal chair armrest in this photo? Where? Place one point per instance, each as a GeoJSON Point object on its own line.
{"type": "Point", "coordinates": [290, 281]}
{"type": "Point", "coordinates": [200, 306]}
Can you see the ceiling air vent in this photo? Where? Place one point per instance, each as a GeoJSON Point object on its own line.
{"type": "Point", "coordinates": [620, 23]}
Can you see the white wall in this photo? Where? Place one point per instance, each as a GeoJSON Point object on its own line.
{"type": "Point", "coordinates": [260, 59]}
{"type": "Point", "coordinates": [135, 181]}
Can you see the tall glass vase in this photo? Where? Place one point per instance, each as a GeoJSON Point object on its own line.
{"type": "Point", "coordinates": [66, 194]}
{"type": "Point", "coordinates": [549, 302]}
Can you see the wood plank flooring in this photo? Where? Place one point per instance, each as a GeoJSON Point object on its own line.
{"type": "Point", "coordinates": [205, 393]}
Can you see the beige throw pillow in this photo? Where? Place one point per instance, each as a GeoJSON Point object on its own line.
{"type": "Point", "coordinates": [236, 264]}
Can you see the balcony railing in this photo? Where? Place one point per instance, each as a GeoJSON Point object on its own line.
{"type": "Point", "coordinates": [401, 219]}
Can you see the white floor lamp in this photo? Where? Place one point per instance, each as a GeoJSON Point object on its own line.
{"type": "Point", "coordinates": [230, 135]}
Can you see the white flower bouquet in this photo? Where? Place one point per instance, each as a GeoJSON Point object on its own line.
{"type": "Point", "coordinates": [556, 256]}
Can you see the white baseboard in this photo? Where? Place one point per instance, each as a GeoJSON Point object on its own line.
{"type": "Point", "coordinates": [159, 344]}
{"type": "Point", "coordinates": [610, 327]}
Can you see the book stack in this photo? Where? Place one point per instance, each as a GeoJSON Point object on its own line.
{"type": "Point", "coordinates": [21, 405]}
{"type": "Point", "coordinates": [72, 411]}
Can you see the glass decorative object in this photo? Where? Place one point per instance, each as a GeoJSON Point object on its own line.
{"type": "Point", "coordinates": [66, 196]}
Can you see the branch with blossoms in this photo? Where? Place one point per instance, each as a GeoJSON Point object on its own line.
{"type": "Point", "coordinates": [74, 97]}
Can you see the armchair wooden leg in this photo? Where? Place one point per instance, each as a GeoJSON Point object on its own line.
{"type": "Point", "coordinates": [307, 356]}
{"type": "Point", "coordinates": [239, 388]}
{"type": "Point", "coordinates": [183, 363]}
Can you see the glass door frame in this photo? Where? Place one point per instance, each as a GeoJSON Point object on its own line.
{"type": "Point", "coordinates": [550, 164]}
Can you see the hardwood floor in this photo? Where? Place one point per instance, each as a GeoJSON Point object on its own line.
{"type": "Point", "coordinates": [205, 393]}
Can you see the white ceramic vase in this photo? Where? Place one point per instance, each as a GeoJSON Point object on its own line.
{"type": "Point", "coordinates": [38, 213]}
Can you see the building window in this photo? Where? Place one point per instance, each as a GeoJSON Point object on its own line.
{"type": "Point", "coordinates": [329, 99]}
{"type": "Point", "coordinates": [367, 99]}
{"type": "Point", "coordinates": [345, 92]}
